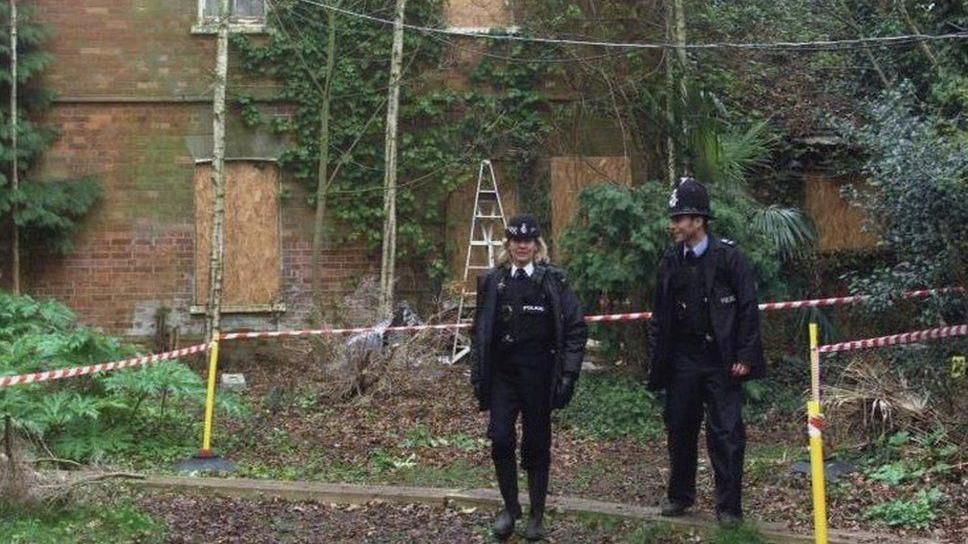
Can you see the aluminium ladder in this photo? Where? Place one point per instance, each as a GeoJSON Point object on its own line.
{"type": "Point", "coordinates": [482, 245]}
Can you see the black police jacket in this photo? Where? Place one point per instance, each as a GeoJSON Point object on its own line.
{"type": "Point", "coordinates": [731, 292]}
{"type": "Point", "coordinates": [571, 332]}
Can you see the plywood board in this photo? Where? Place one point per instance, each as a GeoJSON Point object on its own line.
{"type": "Point", "coordinates": [839, 224]}
{"type": "Point", "coordinates": [572, 174]}
{"type": "Point", "coordinates": [253, 271]}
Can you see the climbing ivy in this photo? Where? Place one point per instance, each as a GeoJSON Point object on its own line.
{"type": "Point", "coordinates": [446, 125]}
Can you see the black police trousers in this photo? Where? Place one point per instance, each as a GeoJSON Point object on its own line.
{"type": "Point", "coordinates": [693, 390]}
{"type": "Point", "coordinates": [525, 390]}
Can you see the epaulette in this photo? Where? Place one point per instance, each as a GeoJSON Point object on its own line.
{"type": "Point", "coordinates": [558, 274]}
{"type": "Point", "coordinates": [728, 242]}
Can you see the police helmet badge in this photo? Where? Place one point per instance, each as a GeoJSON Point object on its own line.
{"type": "Point", "coordinates": [674, 199]}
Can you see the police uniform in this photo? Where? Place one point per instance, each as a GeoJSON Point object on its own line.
{"type": "Point", "coordinates": [705, 319]}
{"type": "Point", "coordinates": [528, 344]}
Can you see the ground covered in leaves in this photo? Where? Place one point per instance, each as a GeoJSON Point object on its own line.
{"type": "Point", "coordinates": [422, 429]}
{"type": "Point", "coordinates": [609, 445]}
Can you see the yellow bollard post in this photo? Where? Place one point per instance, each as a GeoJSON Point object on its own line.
{"type": "Point", "coordinates": [814, 429]}
{"type": "Point", "coordinates": [210, 398]}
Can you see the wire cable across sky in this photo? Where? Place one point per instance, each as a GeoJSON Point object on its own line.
{"type": "Point", "coordinates": [809, 45]}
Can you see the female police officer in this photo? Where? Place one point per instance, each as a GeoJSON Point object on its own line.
{"type": "Point", "coordinates": [528, 344]}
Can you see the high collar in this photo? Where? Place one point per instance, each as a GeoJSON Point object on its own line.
{"type": "Point", "coordinates": [698, 249]}
{"type": "Point", "coordinates": [528, 269]}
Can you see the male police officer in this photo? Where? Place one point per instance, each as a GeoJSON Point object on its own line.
{"type": "Point", "coordinates": [706, 340]}
{"type": "Point", "coordinates": [528, 344]}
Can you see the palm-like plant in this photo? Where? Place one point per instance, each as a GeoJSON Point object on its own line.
{"type": "Point", "coordinates": [727, 155]}
{"type": "Point", "coordinates": [790, 229]}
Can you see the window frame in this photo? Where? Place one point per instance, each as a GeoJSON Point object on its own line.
{"type": "Point", "coordinates": [276, 307]}
{"type": "Point", "coordinates": [237, 25]}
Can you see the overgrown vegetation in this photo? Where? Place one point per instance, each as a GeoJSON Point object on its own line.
{"type": "Point", "coordinates": [47, 211]}
{"type": "Point", "coordinates": [120, 522]}
{"type": "Point", "coordinates": [607, 406]}
{"type": "Point", "coordinates": [147, 412]}
{"type": "Point", "coordinates": [444, 131]}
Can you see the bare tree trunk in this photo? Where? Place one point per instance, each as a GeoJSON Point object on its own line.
{"type": "Point", "coordinates": [682, 73]}
{"type": "Point", "coordinates": [388, 261]}
{"type": "Point", "coordinates": [670, 96]}
{"type": "Point", "coordinates": [913, 27]}
{"type": "Point", "coordinates": [868, 52]}
{"type": "Point", "coordinates": [322, 178]}
{"type": "Point", "coordinates": [15, 163]}
{"type": "Point", "coordinates": [217, 259]}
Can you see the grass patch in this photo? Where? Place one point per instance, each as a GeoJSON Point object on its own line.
{"type": "Point", "coordinates": [657, 533]}
{"type": "Point", "coordinates": [744, 534]}
{"type": "Point", "coordinates": [614, 407]}
{"type": "Point", "coordinates": [460, 474]}
{"type": "Point", "coordinates": [121, 523]}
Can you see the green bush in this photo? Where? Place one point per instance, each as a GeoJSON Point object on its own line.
{"type": "Point", "coordinates": [88, 417]}
{"type": "Point", "coordinates": [916, 513]}
{"type": "Point", "coordinates": [614, 407]}
{"type": "Point", "coordinates": [120, 523]}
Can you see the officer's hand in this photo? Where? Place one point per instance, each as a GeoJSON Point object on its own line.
{"type": "Point", "coordinates": [479, 392]}
{"type": "Point", "coordinates": [566, 390]}
{"type": "Point", "coordinates": [738, 370]}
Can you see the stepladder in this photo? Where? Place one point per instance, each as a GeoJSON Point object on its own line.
{"type": "Point", "coordinates": [483, 247]}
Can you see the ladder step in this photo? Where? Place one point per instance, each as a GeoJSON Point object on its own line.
{"type": "Point", "coordinates": [473, 267]}
{"type": "Point", "coordinates": [490, 216]}
{"type": "Point", "coordinates": [486, 243]}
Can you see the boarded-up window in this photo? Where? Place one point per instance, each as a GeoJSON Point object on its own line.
{"type": "Point", "coordinates": [253, 268]}
{"type": "Point", "coordinates": [571, 175]}
{"type": "Point", "coordinates": [840, 225]}
{"type": "Point", "coordinates": [240, 9]}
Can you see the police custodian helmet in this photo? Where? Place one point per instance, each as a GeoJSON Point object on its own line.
{"type": "Point", "coordinates": [522, 227]}
{"type": "Point", "coordinates": [689, 198]}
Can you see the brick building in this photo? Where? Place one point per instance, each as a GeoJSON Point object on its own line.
{"type": "Point", "coordinates": [134, 79]}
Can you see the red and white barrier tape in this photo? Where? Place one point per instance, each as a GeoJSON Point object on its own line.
{"type": "Point", "coordinates": [837, 301]}
{"type": "Point", "coordinates": [62, 373]}
{"type": "Point", "coordinates": [618, 317]}
{"type": "Point", "coordinates": [896, 339]}
{"type": "Point", "coordinates": [959, 330]}
{"type": "Point", "coordinates": [815, 425]}
{"type": "Point", "coordinates": [769, 306]}
{"type": "Point", "coordinates": [321, 332]}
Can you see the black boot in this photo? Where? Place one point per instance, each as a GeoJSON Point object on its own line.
{"type": "Point", "coordinates": [507, 481]}
{"type": "Point", "coordinates": [504, 524]}
{"type": "Point", "coordinates": [538, 492]}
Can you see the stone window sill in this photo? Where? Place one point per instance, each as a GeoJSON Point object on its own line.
{"type": "Point", "coordinates": [247, 309]}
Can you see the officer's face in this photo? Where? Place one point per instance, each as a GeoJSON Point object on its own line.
{"type": "Point", "coordinates": [523, 251]}
{"type": "Point", "coordinates": [686, 228]}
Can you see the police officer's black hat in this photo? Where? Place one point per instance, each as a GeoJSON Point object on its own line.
{"type": "Point", "coordinates": [523, 227]}
{"type": "Point", "coordinates": [689, 198]}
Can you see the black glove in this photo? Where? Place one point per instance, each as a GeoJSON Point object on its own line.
{"type": "Point", "coordinates": [566, 390]}
{"type": "Point", "coordinates": [479, 393]}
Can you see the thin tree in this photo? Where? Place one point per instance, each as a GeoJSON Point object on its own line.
{"type": "Point", "coordinates": [670, 95]}
{"type": "Point", "coordinates": [15, 168]}
{"type": "Point", "coordinates": [388, 261]}
{"type": "Point", "coordinates": [322, 179]}
{"type": "Point", "coordinates": [217, 258]}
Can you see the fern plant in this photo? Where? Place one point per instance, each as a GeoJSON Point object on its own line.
{"type": "Point", "coordinates": [87, 417]}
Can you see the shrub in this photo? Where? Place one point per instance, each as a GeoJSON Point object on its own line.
{"type": "Point", "coordinates": [613, 407]}
{"type": "Point", "coordinates": [84, 418]}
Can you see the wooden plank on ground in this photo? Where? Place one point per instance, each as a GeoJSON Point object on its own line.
{"type": "Point", "coordinates": [362, 494]}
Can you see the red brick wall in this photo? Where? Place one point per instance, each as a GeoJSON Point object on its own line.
{"type": "Point", "coordinates": [123, 69]}
{"type": "Point", "coordinates": [126, 48]}
{"type": "Point", "coordinates": [135, 251]}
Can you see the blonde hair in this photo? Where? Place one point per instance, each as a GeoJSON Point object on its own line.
{"type": "Point", "coordinates": [540, 257]}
